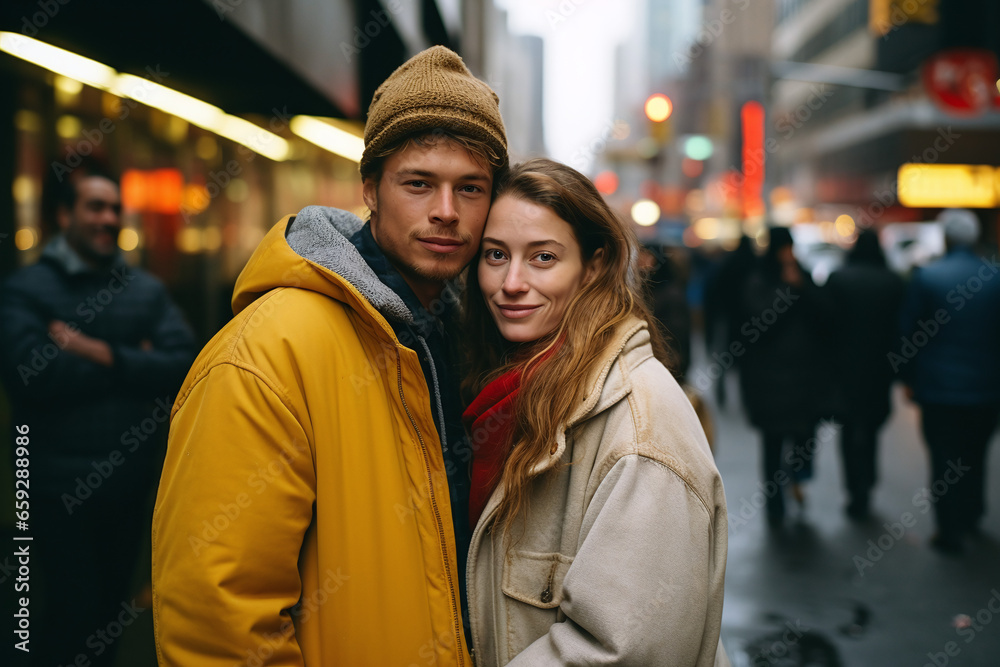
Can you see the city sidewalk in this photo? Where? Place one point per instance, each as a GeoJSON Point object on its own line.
{"type": "Point", "coordinates": [826, 591]}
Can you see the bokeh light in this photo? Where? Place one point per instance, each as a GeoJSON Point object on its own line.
{"type": "Point", "coordinates": [645, 212]}
{"type": "Point", "coordinates": [658, 108]}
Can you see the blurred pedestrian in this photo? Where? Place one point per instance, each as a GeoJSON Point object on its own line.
{"type": "Point", "coordinates": [93, 352]}
{"type": "Point", "coordinates": [668, 300]}
{"type": "Point", "coordinates": [782, 372]}
{"type": "Point", "coordinates": [949, 356]}
{"type": "Point", "coordinates": [723, 296]}
{"type": "Point", "coordinates": [865, 296]}
{"type": "Point", "coordinates": [314, 503]}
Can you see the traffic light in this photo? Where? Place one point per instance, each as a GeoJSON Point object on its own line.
{"type": "Point", "coordinates": [658, 109]}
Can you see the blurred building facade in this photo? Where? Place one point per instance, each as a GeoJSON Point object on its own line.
{"type": "Point", "coordinates": [709, 58]}
{"type": "Point", "coordinates": [196, 202]}
{"type": "Point", "coordinates": [862, 88]}
{"type": "Point", "coordinates": [838, 114]}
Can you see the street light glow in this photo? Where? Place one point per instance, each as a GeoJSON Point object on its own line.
{"type": "Point", "coordinates": [328, 137]}
{"type": "Point", "coordinates": [698, 147]}
{"type": "Point", "coordinates": [658, 108]}
{"type": "Point", "coordinates": [100, 76]}
{"type": "Point", "coordinates": [645, 212]}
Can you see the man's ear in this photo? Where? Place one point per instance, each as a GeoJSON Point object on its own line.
{"type": "Point", "coordinates": [63, 217]}
{"type": "Point", "coordinates": [594, 265]}
{"type": "Point", "coordinates": [369, 192]}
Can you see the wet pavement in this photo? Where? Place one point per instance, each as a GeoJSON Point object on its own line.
{"type": "Point", "coordinates": [827, 591]}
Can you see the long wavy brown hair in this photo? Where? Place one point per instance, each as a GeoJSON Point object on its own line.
{"type": "Point", "coordinates": [555, 368]}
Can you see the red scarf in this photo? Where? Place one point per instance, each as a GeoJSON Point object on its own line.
{"type": "Point", "coordinates": [489, 420]}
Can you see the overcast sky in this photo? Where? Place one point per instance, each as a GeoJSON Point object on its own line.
{"type": "Point", "coordinates": [580, 39]}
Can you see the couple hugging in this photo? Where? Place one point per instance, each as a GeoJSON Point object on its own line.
{"type": "Point", "coordinates": [465, 447]}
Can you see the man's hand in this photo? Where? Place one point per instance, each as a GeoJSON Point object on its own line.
{"type": "Point", "coordinates": [76, 342]}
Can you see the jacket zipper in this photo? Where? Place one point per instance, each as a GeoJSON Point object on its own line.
{"type": "Point", "coordinates": [437, 512]}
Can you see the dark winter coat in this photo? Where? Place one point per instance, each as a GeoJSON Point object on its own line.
{"type": "Point", "coordinates": [79, 412]}
{"type": "Point", "coordinates": [949, 352]}
{"type": "Point", "coordinates": [865, 299]}
{"type": "Point", "coordinates": [784, 363]}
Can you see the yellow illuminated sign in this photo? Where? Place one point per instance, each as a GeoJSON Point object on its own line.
{"type": "Point", "coordinates": [884, 16]}
{"type": "Point", "coordinates": [949, 185]}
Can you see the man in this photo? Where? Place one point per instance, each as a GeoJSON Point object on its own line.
{"type": "Point", "coordinates": [93, 352]}
{"type": "Point", "coordinates": [865, 296]}
{"type": "Point", "coordinates": [783, 374]}
{"type": "Point", "coordinates": [950, 360]}
{"type": "Point", "coordinates": [313, 507]}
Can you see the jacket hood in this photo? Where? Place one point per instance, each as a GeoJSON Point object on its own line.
{"type": "Point", "coordinates": [313, 250]}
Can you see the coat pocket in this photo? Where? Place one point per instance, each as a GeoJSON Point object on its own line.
{"type": "Point", "coordinates": [535, 578]}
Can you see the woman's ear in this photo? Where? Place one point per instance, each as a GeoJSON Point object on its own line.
{"type": "Point", "coordinates": [594, 266]}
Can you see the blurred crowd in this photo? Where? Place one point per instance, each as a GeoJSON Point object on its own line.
{"type": "Point", "coordinates": [809, 353]}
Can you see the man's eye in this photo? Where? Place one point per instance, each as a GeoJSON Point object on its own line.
{"type": "Point", "coordinates": [417, 184]}
{"type": "Point", "coordinates": [471, 188]}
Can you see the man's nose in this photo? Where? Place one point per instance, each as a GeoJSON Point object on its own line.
{"type": "Point", "coordinates": [110, 215]}
{"type": "Point", "coordinates": [444, 211]}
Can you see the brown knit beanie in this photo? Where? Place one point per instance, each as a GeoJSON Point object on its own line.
{"type": "Point", "coordinates": [433, 89]}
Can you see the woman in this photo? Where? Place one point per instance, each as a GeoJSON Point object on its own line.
{"type": "Point", "coordinates": [600, 518]}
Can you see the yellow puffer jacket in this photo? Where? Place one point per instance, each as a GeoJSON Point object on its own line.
{"type": "Point", "coordinates": [303, 515]}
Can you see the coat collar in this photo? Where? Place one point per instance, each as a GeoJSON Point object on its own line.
{"type": "Point", "coordinates": [604, 388]}
{"type": "Point", "coordinates": [61, 253]}
{"type": "Point", "coordinates": [630, 347]}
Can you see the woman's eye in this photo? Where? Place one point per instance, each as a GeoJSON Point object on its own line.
{"type": "Point", "coordinates": [545, 257]}
{"type": "Point", "coordinates": [494, 255]}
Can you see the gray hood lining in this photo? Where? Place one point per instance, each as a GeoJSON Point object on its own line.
{"type": "Point", "coordinates": [322, 234]}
